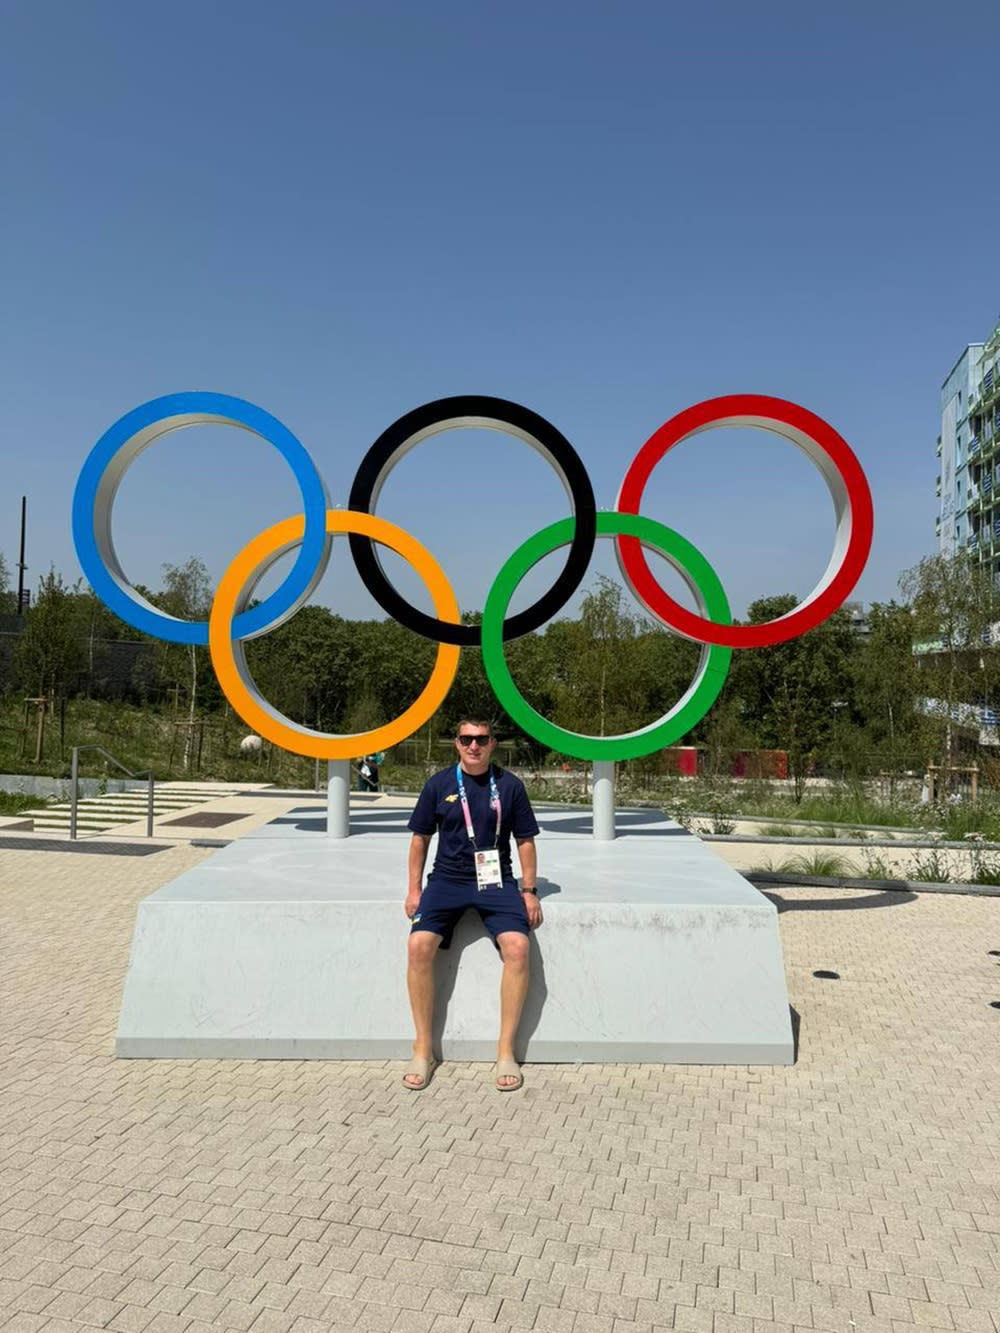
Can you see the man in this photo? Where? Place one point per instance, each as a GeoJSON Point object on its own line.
{"type": "Point", "coordinates": [368, 773]}
{"type": "Point", "coordinates": [474, 808]}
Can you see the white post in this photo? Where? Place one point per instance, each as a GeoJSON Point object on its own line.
{"type": "Point", "coordinates": [338, 798]}
{"type": "Point", "coordinates": [604, 800]}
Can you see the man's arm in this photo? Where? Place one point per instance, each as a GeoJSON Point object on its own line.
{"type": "Point", "coordinates": [528, 858]}
{"type": "Point", "coordinates": [416, 861]}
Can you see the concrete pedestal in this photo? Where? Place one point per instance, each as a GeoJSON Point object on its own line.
{"type": "Point", "coordinates": [289, 945]}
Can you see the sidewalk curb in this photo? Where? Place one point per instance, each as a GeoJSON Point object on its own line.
{"type": "Point", "coordinates": [898, 843]}
{"type": "Point", "coordinates": [776, 880]}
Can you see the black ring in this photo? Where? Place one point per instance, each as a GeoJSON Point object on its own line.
{"type": "Point", "coordinates": [473, 410]}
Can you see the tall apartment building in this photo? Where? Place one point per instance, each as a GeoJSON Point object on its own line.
{"type": "Point", "coordinates": [969, 449]}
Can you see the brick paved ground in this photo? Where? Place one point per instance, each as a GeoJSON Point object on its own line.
{"type": "Point", "coordinates": [857, 1190]}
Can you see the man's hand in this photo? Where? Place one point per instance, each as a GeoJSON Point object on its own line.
{"type": "Point", "coordinates": [412, 904]}
{"type": "Point", "coordinates": [533, 908]}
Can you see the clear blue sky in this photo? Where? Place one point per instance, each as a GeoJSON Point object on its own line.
{"type": "Point", "coordinates": [606, 212]}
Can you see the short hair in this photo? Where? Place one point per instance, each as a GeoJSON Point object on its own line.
{"type": "Point", "coordinates": [473, 722]}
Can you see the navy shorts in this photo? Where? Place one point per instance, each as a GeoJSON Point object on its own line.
{"type": "Point", "coordinates": [444, 901]}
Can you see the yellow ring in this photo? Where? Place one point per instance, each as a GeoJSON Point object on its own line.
{"type": "Point", "coordinates": [229, 662]}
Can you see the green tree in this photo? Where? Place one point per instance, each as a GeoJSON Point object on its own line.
{"type": "Point", "coordinates": [955, 609]}
{"type": "Point", "coordinates": [7, 599]}
{"type": "Point", "coordinates": [790, 693]}
{"type": "Point", "coordinates": [304, 668]}
{"type": "Point", "coordinates": [887, 689]}
{"type": "Point", "coordinates": [597, 691]}
{"type": "Point", "coordinates": [49, 654]}
{"type": "Point", "coordinates": [186, 594]}
{"type": "Point", "coordinates": [97, 627]}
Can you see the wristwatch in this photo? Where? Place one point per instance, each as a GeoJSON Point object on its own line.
{"type": "Point", "coordinates": [526, 890]}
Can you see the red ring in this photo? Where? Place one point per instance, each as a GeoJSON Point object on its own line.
{"type": "Point", "coordinates": [771, 413]}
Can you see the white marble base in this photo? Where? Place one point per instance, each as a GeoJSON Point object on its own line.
{"type": "Point", "coordinates": [289, 945]}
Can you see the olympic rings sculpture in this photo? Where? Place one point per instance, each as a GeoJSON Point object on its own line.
{"type": "Point", "coordinates": [233, 621]}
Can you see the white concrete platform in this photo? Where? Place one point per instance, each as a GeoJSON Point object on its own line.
{"type": "Point", "coordinates": [289, 945]}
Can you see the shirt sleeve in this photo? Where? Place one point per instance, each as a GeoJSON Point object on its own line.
{"type": "Point", "coordinates": [424, 817]}
{"type": "Point", "coordinates": [523, 823]}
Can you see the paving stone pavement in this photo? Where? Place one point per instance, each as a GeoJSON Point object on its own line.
{"type": "Point", "coordinates": [855, 1191]}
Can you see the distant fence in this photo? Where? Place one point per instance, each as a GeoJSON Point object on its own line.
{"type": "Point", "coordinates": [115, 668]}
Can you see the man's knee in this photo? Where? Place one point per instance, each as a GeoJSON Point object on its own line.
{"type": "Point", "coordinates": [514, 948]}
{"type": "Point", "coordinates": [422, 946]}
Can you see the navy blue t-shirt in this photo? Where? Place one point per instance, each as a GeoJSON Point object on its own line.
{"type": "Point", "coordinates": [439, 810]}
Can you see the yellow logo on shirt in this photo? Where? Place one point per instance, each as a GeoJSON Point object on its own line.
{"type": "Point", "coordinates": [452, 798]}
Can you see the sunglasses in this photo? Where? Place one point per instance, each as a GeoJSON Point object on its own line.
{"type": "Point", "coordinates": [477, 739]}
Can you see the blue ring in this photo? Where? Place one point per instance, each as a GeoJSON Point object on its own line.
{"type": "Point", "coordinates": [303, 575]}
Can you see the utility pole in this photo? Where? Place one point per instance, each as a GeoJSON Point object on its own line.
{"type": "Point", "coordinates": [22, 603]}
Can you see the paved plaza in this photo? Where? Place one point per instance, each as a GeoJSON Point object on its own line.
{"type": "Point", "coordinates": [857, 1190]}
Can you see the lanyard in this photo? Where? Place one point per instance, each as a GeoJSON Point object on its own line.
{"type": "Point", "coordinates": [467, 813]}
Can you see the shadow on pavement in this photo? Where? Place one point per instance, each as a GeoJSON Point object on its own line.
{"type": "Point", "coordinates": [888, 898]}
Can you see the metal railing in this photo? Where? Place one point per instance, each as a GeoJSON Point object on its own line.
{"type": "Point", "coordinates": [75, 786]}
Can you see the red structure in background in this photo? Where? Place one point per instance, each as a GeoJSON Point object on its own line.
{"type": "Point", "coordinates": [688, 760]}
{"type": "Point", "coordinates": [682, 759]}
{"type": "Point", "coordinates": [760, 764]}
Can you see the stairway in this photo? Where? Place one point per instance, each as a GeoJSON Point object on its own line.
{"type": "Point", "coordinates": [98, 814]}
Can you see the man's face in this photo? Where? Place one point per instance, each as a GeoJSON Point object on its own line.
{"type": "Point", "coordinates": [475, 746]}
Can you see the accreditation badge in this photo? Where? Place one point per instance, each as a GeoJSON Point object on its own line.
{"type": "Point", "coordinates": [488, 870]}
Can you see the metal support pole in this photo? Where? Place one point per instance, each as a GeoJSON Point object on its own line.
{"type": "Point", "coordinates": [73, 793]}
{"type": "Point", "coordinates": [149, 809]}
{"type": "Point", "coordinates": [338, 798]}
{"type": "Point", "coordinates": [21, 566]}
{"type": "Point", "coordinates": [604, 800]}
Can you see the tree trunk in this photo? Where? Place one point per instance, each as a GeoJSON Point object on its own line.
{"type": "Point", "coordinates": [189, 738]}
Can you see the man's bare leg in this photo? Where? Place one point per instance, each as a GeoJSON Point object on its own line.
{"type": "Point", "coordinates": [422, 948]}
{"type": "Point", "coordinates": [514, 980]}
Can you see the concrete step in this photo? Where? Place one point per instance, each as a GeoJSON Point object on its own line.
{"type": "Point", "coordinates": [99, 815]}
{"type": "Point", "coordinates": [112, 812]}
{"type": "Point", "coordinates": [95, 814]}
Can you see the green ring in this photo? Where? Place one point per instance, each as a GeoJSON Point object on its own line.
{"type": "Point", "coordinates": [689, 710]}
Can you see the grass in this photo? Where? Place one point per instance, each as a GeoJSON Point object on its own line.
{"type": "Point", "coordinates": [785, 831]}
{"type": "Point", "coordinates": [824, 864]}
{"type": "Point", "coordinates": [12, 803]}
{"type": "Point", "coordinates": [878, 866]}
{"type": "Point", "coordinates": [934, 866]}
{"type": "Point", "coordinates": [958, 821]}
{"type": "Point", "coordinates": [140, 739]}
{"type": "Point", "coordinates": [839, 805]}
{"type": "Point", "coordinates": [856, 806]}
{"type": "Point", "coordinates": [813, 831]}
